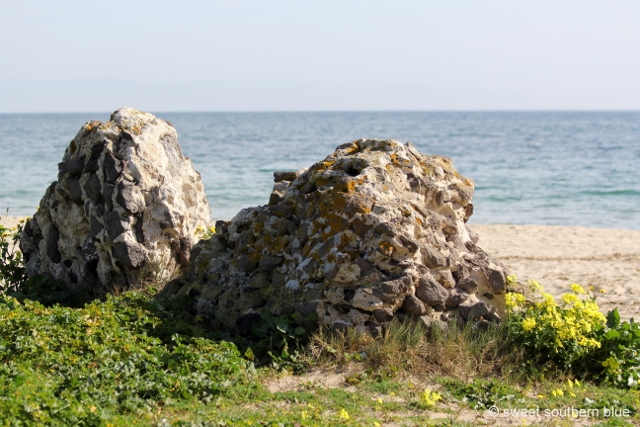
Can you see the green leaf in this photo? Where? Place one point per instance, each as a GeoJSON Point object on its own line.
{"type": "Point", "coordinates": [249, 354]}
{"type": "Point", "coordinates": [18, 381]}
{"type": "Point", "coordinates": [299, 330]}
{"type": "Point", "coordinates": [282, 326]}
{"type": "Point", "coordinates": [613, 318]}
{"type": "Point", "coordinates": [612, 334]}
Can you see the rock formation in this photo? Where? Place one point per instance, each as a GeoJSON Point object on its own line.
{"type": "Point", "coordinates": [375, 231]}
{"type": "Point", "coordinates": [126, 207]}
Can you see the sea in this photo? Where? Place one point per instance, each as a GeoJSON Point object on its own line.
{"type": "Point", "coordinates": [547, 168]}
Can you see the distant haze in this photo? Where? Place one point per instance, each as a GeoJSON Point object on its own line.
{"type": "Point", "coordinates": [266, 55]}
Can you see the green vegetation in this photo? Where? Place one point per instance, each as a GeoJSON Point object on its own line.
{"type": "Point", "coordinates": [129, 361]}
{"type": "Point", "coordinates": [575, 336]}
{"type": "Point", "coordinates": [80, 366]}
{"type": "Point", "coordinates": [12, 271]}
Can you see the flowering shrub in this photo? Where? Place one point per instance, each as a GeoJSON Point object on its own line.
{"type": "Point", "coordinates": [574, 334]}
{"type": "Point", "coordinates": [561, 333]}
{"type": "Point", "coordinates": [12, 270]}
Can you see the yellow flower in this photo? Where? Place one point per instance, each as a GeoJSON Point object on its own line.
{"type": "Point", "coordinates": [514, 300]}
{"type": "Point", "coordinates": [547, 301]}
{"type": "Point", "coordinates": [429, 398]}
{"type": "Point", "coordinates": [535, 286]}
{"type": "Point", "coordinates": [577, 289]}
{"type": "Point", "coordinates": [343, 415]}
{"type": "Point", "coordinates": [612, 365]}
{"type": "Point", "coordinates": [569, 299]}
{"type": "Point", "coordinates": [557, 393]}
{"type": "Point", "coordinates": [528, 323]}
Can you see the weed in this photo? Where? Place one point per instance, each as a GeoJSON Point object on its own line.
{"type": "Point", "coordinates": [12, 269]}
{"type": "Point", "coordinates": [410, 347]}
{"type": "Point", "coordinates": [482, 393]}
{"type": "Point", "coordinates": [574, 335]}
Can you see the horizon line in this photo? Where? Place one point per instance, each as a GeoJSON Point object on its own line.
{"type": "Point", "coordinates": [338, 111]}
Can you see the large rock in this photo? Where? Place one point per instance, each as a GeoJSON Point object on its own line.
{"type": "Point", "coordinates": [376, 230]}
{"type": "Point", "coordinates": [125, 209]}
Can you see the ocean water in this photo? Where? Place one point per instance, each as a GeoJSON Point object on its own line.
{"type": "Point", "coordinates": [553, 168]}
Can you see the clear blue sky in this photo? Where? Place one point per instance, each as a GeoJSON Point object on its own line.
{"type": "Point", "coordinates": [264, 55]}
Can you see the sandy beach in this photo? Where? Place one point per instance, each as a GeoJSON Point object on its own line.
{"type": "Point", "coordinates": [558, 256]}
{"type": "Point", "coordinates": [608, 260]}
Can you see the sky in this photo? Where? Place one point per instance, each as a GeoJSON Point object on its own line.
{"type": "Point", "coordinates": [319, 55]}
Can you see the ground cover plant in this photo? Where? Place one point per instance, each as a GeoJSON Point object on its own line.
{"type": "Point", "coordinates": [574, 335]}
{"type": "Point", "coordinates": [128, 360]}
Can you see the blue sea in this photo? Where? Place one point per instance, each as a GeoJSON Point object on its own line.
{"type": "Point", "coordinates": [553, 168]}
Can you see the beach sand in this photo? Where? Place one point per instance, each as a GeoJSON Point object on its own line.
{"type": "Point", "coordinates": [10, 221]}
{"type": "Point", "coordinates": [558, 256]}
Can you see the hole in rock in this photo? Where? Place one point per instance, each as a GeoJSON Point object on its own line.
{"type": "Point", "coordinates": [353, 171]}
{"type": "Point", "coordinates": [348, 294]}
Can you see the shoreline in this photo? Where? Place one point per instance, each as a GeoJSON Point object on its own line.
{"type": "Point", "coordinates": [557, 256]}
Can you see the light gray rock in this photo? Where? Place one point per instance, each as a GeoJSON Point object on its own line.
{"type": "Point", "coordinates": [127, 207]}
{"type": "Point", "coordinates": [374, 231]}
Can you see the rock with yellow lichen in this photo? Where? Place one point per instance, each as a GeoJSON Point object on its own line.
{"type": "Point", "coordinates": [373, 232]}
{"type": "Point", "coordinates": [127, 205]}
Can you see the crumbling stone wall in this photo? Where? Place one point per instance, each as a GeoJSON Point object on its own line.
{"type": "Point", "coordinates": [373, 232]}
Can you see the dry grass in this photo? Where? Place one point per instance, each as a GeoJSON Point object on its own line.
{"type": "Point", "coordinates": [404, 347]}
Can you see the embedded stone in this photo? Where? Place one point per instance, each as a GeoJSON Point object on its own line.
{"type": "Point", "coordinates": [473, 309]}
{"type": "Point", "coordinates": [74, 166]}
{"type": "Point", "coordinates": [412, 305]}
{"type": "Point", "coordinates": [383, 315]}
{"type": "Point", "coordinates": [115, 226]}
{"type": "Point", "coordinates": [497, 279]}
{"type": "Point", "coordinates": [468, 285]}
{"type": "Point", "coordinates": [112, 168]}
{"type": "Point", "coordinates": [268, 263]}
{"type": "Point", "coordinates": [431, 292]}
{"type": "Point", "coordinates": [365, 299]}
{"type": "Point", "coordinates": [93, 189]}
{"type": "Point", "coordinates": [75, 190]}
{"type": "Point", "coordinates": [130, 255]}
{"type": "Point", "coordinates": [456, 297]}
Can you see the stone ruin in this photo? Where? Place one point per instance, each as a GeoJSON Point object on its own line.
{"type": "Point", "coordinates": [126, 208]}
{"type": "Point", "coordinates": [376, 231]}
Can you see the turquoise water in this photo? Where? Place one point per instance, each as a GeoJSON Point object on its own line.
{"type": "Point", "coordinates": [555, 168]}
